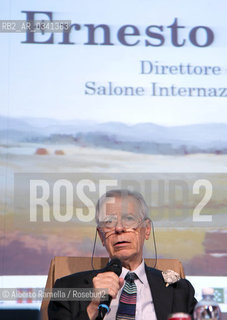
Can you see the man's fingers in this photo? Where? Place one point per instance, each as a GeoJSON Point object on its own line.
{"type": "Point", "coordinates": [121, 282]}
{"type": "Point", "coordinates": [109, 281]}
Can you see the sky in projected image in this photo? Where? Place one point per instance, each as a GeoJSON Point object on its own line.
{"type": "Point", "coordinates": [55, 80]}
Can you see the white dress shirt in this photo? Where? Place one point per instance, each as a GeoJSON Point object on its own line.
{"type": "Point", "coordinates": [144, 301]}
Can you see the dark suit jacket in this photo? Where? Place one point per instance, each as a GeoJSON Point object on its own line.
{"type": "Point", "coordinates": [177, 297]}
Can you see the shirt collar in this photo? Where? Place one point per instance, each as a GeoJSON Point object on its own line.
{"type": "Point", "coordinates": [139, 271]}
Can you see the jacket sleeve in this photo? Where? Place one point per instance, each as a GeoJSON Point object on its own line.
{"type": "Point", "coordinates": [64, 309]}
{"type": "Point", "coordinates": [184, 300]}
{"type": "Point", "coordinates": [191, 299]}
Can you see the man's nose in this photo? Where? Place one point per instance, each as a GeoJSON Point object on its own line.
{"type": "Point", "coordinates": [119, 227]}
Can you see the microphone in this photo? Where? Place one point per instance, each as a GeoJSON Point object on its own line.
{"type": "Point", "coordinates": [115, 266]}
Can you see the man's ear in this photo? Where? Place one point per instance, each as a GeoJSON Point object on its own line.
{"type": "Point", "coordinates": [101, 236]}
{"type": "Point", "coordinates": [148, 229]}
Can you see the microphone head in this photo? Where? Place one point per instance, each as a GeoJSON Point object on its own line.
{"type": "Point", "coordinates": [115, 266]}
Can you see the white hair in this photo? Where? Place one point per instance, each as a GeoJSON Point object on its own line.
{"type": "Point", "coordinates": [122, 193]}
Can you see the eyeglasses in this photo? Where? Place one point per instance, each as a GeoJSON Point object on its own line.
{"type": "Point", "coordinates": [127, 221]}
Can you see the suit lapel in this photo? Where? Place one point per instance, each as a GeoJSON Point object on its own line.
{"type": "Point", "coordinates": [86, 282]}
{"type": "Point", "coordinates": [162, 295]}
{"type": "Point", "coordinates": [88, 279]}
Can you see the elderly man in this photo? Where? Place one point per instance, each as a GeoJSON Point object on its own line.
{"type": "Point", "coordinates": [140, 292]}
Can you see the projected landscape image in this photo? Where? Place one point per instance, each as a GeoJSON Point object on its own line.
{"type": "Point", "coordinates": [46, 146]}
{"type": "Point", "coordinates": [146, 138]}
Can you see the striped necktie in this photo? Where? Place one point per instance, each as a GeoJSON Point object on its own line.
{"type": "Point", "coordinates": [127, 303]}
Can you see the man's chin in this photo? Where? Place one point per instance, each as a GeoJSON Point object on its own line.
{"type": "Point", "coordinates": [122, 254]}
